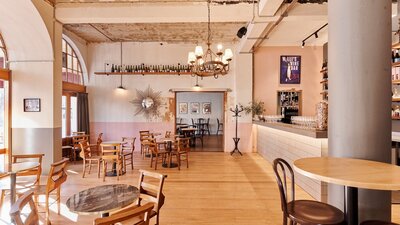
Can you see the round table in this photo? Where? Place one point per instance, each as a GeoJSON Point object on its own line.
{"type": "Point", "coordinates": [352, 173]}
{"type": "Point", "coordinates": [113, 173]}
{"type": "Point", "coordinates": [15, 168]}
{"type": "Point", "coordinates": [170, 164]}
{"type": "Point", "coordinates": [102, 199]}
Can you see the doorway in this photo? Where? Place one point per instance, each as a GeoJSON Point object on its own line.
{"type": "Point", "coordinates": [200, 115]}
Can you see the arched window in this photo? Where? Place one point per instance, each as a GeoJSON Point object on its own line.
{"type": "Point", "coordinates": [3, 53]}
{"type": "Point", "coordinates": [71, 67]}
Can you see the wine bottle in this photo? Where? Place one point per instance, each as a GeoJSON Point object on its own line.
{"type": "Point", "coordinates": [112, 68]}
{"type": "Point", "coordinates": [393, 57]}
{"type": "Point", "coordinates": [397, 56]}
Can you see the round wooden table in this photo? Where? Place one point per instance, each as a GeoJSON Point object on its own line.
{"type": "Point", "coordinates": [352, 173]}
{"type": "Point", "coordinates": [102, 199]}
{"type": "Point", "coordinates": [15, 168]}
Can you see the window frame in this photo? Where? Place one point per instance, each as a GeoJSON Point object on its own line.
{"type": "Point", "coordinates": [69, 56]}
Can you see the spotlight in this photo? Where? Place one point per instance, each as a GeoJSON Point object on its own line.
{"type": "Point", "coordinates": [316, 34]}
{"type": "Point", "coordinates": [302, 45]}
{"type": "Point", "coordinates": [241, 32]}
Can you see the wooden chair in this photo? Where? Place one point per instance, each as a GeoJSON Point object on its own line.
{"type": "Point", "coordinates": [96, 147]}
{"type": "Point", "coordinates": [183, 148]}
{"type": "Point", "coordinates": [207, 126]}
{"type": "Point", "coordinates": [88, 158]}
{"type": "Point", "coordinates": [111, 153]}
{"type": "Point", "coordinates": [220, 126]}
{"type": "Point", "coordinates": [127, 151]}
{"type": "Point", "coordinates": [157, 152]}
{"type": "Point", "coordinates": [144, 135]}
{"type": "Point", "coordinates": [140, 214]}
{"type": "Point", "coordinates": [168, 134]}
{"type": "Point", "coordinates": [78, 133]}
{"type": "Point", "coordinates": [27, 178]}
{"type": "Point", "coordinates": [75, 145]}
{"type": "Point", "coordinates": [56, 177]}
{"type": "Point", "coordinates": [16, 210]}
{"type": "Point", "coordinates": [301, 211]}
{"type": "Point", "coordinates": [150, 192]}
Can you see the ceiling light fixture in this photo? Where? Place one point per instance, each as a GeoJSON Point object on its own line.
{"type": "Point", "coordinates": [302, 45]}
{"type": "Point", "coordinates": [315, 33]}
{"type": "Point", "coordinates": [120, 85]}
{"type": "Point", "coordinates": [208, 63]}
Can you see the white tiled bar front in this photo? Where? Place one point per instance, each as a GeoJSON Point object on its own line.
{"type": "Point", "coordinates": [283, 141]}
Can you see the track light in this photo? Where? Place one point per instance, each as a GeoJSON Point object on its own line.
{"type": "Point", "coordinates": [241, 32]}
{"type": "Point", "coordinates": [302, 45]}
{"type": "Point", "coordinates": [316, 34]}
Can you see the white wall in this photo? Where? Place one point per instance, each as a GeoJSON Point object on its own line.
{"type": "Point", "coordinates": [217, 107]}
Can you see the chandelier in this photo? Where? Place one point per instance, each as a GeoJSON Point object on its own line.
{"type": "Point", "coordinates": [209, 63]}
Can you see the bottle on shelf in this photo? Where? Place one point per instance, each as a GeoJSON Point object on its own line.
{"type": "Point", "coordinates": [397, 56]}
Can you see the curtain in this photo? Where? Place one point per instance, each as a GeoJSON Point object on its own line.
{"type": "Point", "coordinates": [83, 113]}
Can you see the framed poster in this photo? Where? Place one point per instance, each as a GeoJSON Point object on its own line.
{"type": "Point", "coordinates": [206, 107]}
{"type": "Point", "coordinates": [290, 69]}
{"type": "Point", "coordinates": [183, 108]}
{"type": "Point", "coordinates": [31, 104]}
{"type": "Point", "coordinates": [194, 107]}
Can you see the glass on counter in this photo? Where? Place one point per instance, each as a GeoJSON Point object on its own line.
{"type": "Point", "coordinates": [304, 122]}
{"type": "Point", "coordinates": [272, 118]}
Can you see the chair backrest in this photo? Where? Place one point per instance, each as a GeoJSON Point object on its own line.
{"type": "Point", "coordinates": [32, 218]}
{"type": "Point", "coordinates": [208, 121]}
{"type": "Point", "coordinates": [142, 213]}
{"type": "Point", "coordinates": [168, 134]}
{"type": "Point", "coordinates": [130, 143]}
{"type": "Point", "coordinates": [149, 192]}
{"type": "Point", "coordinates": [110, 151]}
{"type": "Point", "coordinates": [78, 133]}
{"type": "Point", "coordinates": [193, 123]}
{"type": "Point", "coordinates": [37, 171]}
{"type": "Point", "coordinates": [183, 144]}
{"type": "Point", "coordinates": [77, 139]}
{"type": "Point", "coordinates": [86, 152]}
{"type": "Point", "coordinates": [153, 145]}
{"type": "Point", "coordinates": [57, 175]}
{"type": "Point", "coordinates": [284, 174]}
{"type": "Point", "coordinates": [99, 140]}
{"type": "Point", "coordinates": [218, 121]}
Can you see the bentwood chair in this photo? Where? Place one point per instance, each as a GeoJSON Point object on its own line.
{"type": "Point", "coordinates": [111, 153]}
{"type": "Point", "coordinates": [132, 215]}
{"type": "Point", "coordinates": [220, 126]}
{"type": "Point", "coordinates": [206, 126]}
{"type": "Point", "coordinates": [25, 179]}
{"type": "Point", "coordinates": [144, 135]}
{"type": "Point", "coordinates": [301, 211]}
{"type": "Point", "coordinates": [150, 191]}
{"type": "Point", "coordinates": [127, 151]}
{"type": "Point", "coordinates": [75, 144]}
{"type": "Point", "coordinates": [183, 148]}
{"type": "Point", "coordinates": [88, 158]}
{"type": "Point", "coordinates": [56, 177]}
{"type": "Point", "coordinates": [16, 210]}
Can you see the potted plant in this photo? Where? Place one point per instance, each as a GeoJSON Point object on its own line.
{"type": "Point", "coordinates": [256, 108]}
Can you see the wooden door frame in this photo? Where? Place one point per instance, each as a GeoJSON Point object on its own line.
{"type": "Point", "coordinates": [6, 75]}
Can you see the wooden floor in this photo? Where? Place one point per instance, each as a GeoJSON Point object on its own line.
{"type": "Point", "coordinates": [211, 143]}
{"type": "Point", "coordinates": [216, 189]}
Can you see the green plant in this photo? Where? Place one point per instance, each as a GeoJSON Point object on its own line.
{"type": "Point", "coordinates": [255, 108]}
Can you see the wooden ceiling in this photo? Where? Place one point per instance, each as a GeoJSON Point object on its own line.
{"type": "Point", "coordinates": [156, 32]}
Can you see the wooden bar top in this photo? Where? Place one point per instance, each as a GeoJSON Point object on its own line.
{"type": "Point", "coordinates": [292, 129]}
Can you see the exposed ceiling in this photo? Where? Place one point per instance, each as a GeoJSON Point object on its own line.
{"type": "Point", "coordinates": [152, 1]}
{"type": "Point", "coordinates": [156, 32]}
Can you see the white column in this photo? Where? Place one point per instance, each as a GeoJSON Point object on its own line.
{"type": "Point", "coordinates": [360, 92]}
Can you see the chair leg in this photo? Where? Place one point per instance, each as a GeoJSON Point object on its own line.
{"type": "Point", "coordinates": [178, 158]}
{"type": "Point", "coordinates": [3, 193]}
{"type": "Point", "coordinates": [155, 166]}
{"type": "Point", "coordinates": [104, 170]}
{"type": "Point", "coordinates": [58, 200]}
{"type": "Point", "coordinates": [98, 168]}
{"type": "Point", "coordinates": [187, 160]}
{"type": "Point", "coordinates": [47, 209]}
{"type": "Point", "coordinates": [151, 160]}
{"type": "Point", "coordinates": [132, 160]}
{"type": "Point", "coordinates": [90, 166]}
{"type": "Point", "coordinates": [84, 168]}
{"type": "Point", "coordinates": [119, 169]}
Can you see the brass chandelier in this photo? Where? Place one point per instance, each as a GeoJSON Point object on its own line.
{"type": "Point", "coordinates": [209, 63]}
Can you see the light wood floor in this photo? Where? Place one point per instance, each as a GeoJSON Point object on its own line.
{"type": "Point", "coordinates": [216, 189]}
{"type": "Point", "coordinates": [211, 143]}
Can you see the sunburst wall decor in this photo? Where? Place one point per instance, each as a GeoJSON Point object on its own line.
{"type": "Point", "coordinates": [147, 102]}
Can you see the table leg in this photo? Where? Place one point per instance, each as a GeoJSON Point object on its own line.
{"type": "Point", "coordinates": [396, 154]}
{"type": "Point", "coordinates": [13, 183]}
{"type": "Point", "coordinates": [352, 206]}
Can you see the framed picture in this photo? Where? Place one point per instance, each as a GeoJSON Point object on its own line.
{"type": "Point", "coordinates": [183, 108]}
{"type": "Point", "coordinates": [206, 107]}
{"type": "Point", "coordinates": [194, 107]}
{"type": "Point", "coordinates": [31, 104]}
{"type": "Point", "coordinates": [290, 69]}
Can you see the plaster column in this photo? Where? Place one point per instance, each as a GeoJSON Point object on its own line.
{"type": "Point", "coordinates": [360, 92]}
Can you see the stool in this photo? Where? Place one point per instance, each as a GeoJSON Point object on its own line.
{"type": "Point", "coordinates": [67, 151]}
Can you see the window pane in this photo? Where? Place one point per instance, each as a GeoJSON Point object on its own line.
{"type": "Point", "coordinates": [74, 115]}
{"type": "Point", "coordinates": [64, 116]}
{"type": "Point", "coordinates": [69, 62]}
{"type": "Point", "coordinates": [75, 64]}
{"type": "Point", "coordinates": [64, 45]}
{"type": "Point", "coordinates": [64, 60]}
{"type": "Point", "coordinates": [69, 49]}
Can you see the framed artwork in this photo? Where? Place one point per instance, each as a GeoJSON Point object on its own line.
{"type": "Point", "coordinates": [31, 104]}
{"type": "Point", "coordinates": [194, 107]}
{"type": "Point", "coordinates": [206, 107]}
{"type": "Point", "coordinates": [290, 69]}
{"type": "Point", "coordinates": [183, 108]}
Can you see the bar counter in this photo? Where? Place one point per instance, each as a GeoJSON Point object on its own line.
{"type": "Point", "coordinates": [279, 140]}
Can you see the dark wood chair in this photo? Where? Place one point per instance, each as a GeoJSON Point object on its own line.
{"type": "Point", "coordinates": [138, 215]}
{"type": "Point", "coordinates": [302, 211]}
{"type": "Point", "coordinates": [206, 126]}
{"type": "Point", "coordinates": [220, 126]}
{"type": "Point", "coordinates": [16, 210]}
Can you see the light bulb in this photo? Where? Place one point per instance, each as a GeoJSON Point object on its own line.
{"type": "Point", "coordinates": [228, 54]}
{"type": "Point", "coordinates": [191, 58]}
{"type": "Point", "coordinates": [198, 51]}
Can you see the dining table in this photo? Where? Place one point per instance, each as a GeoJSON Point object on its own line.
{"type": "Point", "coordinates": [168, 142]}
{"type": "Point", "coordinates": [113, 173]}
{"type": "Point", "coordinates": [12, 172]}
{"type": "Point", "coordinates": [190, 133]}
{"type": "Point", "coordinates": [102, 199]}
{"type": "Point", "coordinates": [353, 174]}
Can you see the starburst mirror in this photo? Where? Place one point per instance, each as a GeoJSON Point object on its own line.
{"type": "Point", "coordinates": [147, 102]}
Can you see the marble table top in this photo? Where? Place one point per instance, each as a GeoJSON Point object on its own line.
{"type": "Point", "coordinates": [102, 199]}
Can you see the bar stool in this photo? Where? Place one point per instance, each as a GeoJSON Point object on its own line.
{"type": "Point", "coordinates": [302, 211]}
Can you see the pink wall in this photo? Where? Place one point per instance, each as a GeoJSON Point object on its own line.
{"type": "Point", "coordinates": [266, 76]}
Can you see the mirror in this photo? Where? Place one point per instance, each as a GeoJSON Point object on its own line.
{"type": "Point", "coordinates": [147, 103]}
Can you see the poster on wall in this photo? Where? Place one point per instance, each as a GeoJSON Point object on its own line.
{"type": "Point", "coordinates": [206, 107]}
{"type": "Point", "coordinates": [183, 108]}
{"type": "Point", "coordinates": [31, 104]}
{"type": "Point", "coordinates": [290, 69]}
{"type": "Point", "coordinates": [194, 107]}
